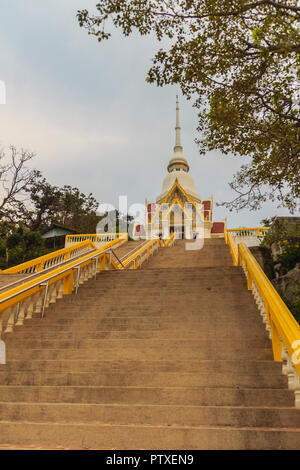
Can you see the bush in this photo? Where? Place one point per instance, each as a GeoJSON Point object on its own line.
{"type": "Point", "coordinates": [22, 245]}
{"type": "Point", "coordinates": [294, 306]}
{"type": "Point", "coordinates": [289, 257]}
{"type": "Point", "coordinates": [287, 238]}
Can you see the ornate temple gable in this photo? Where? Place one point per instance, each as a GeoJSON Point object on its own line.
{"type": "Point", "coordinates": [177, 195]}
{"type": "Point", "coordinates": [175, 189]}
{"type": "Point", "coordinates": [176, 204]}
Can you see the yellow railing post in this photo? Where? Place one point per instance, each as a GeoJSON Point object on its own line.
{"type": "Point", "coordinates": [276, 343]}
{"type": "Point", "coordinates": [102, 264]}
{"type": "Point", "coordinates": [40, 267]}
{"type": "Point", "coordinates": [249, 280]}
{"type": "Point", "coordinates": [68, 284]}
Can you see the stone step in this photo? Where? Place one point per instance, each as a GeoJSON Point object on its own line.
{"type": "Point", "coordinates": [183, 262]}
{"type": "Point", "coordinates": [167, 415]}
{"type": "Point", "coordinates": [161, 288]}
{"type": "Point", "coordinates": [104, 284]}
{"type": "Point", "coordinates": [100, 320]}
{"type": "Point", "coordinates": [137, 323]}
{"type": "Point", "coordinates": [150, 378]}
{"type": "Point", "coordinates": [229, 291]}
{"type": "Point", "coordinates": [147, 353]}
{"type": "Point", "coordinates": [170, 334]}
{"type": "Point", "coordinates": [105, 278]}
{"type": "Point", "coordinates": [193, 293]}
{"type": "Point", "coordinates": [142, 344]}
{"type": "Point", "coordinates": [171, 315]}
{"type": "Point", "coordinates": [165, 309]}
{"type": "Point", "coordinates": [148, 395]}
{"type": "Point", "coordinates": [165, 275]}
{"type": "Point", "coordinates": [175, 273]}
{"type": "Point", "coordinates": [126, 302]}
{"type": "Point", "coordinates": [266, 367]}
{"type": "Point", "coordinates": [168, 314]}
{"type": "Point", "coordinates": [200, 302]}
{"type": "Point", "coordinates": [101, 436]}
{"type": "Point", "coordinates": [190, 268]}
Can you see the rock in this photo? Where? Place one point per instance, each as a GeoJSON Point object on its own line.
{"type": "Point", "coordinates": [289, 284]}
{"type": "Point", "coordinates": [275, 250]}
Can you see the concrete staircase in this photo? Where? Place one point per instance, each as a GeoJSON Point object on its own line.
{"type": "Point", "coordinates": [172, 356]}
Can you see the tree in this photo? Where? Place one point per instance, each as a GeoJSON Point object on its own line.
{"type": "Point", "coordinates": [15, 177]}
{"type": "Point", "coordinates": [66, 206]}
{"type": "Point", "coordinates": [42, 209]}
{"type": "Point", "coordinates": [239, 62]}
{"type": "Point", "coordinates": [23, 245]}
{"type": "Point", "coordinates": [280, 248]}
{"type": "Point", "coordinates": [78, 210]}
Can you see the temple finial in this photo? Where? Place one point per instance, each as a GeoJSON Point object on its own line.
{"type": "Point", "coordinates": [178, 162]}
{"type": "Point", "coordinates": [178, 146]}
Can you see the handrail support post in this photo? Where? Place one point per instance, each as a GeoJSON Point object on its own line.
{"type": "Point", "coordinates": [46, 284]}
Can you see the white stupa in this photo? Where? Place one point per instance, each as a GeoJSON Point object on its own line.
{"type": "Point", "coordinates": [178, 168]}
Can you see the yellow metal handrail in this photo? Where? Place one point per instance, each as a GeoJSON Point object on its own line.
{"type": "Point", "coordinates": [34, 295]}
{"type": "Point", "coordinates": [282, 322]}
{"type": "Point", "coordinates": [169, 241]}
{"type": "Point", "coordinates": [95, 237]}
{"type": "Point", "coordinates": [283, 325]}
{"type": "Point", "coordinates": [138, 257]}
{"type": "Point", "coordinates": [22, 301]}
{"type": "Point", "coordinates": [232, 247]}
{"type": "Point", "coordinates": [51, 259]}
{"type": "Point", "coordinates": [135, 260]}
{"type": "Point", "coordinates": [258, 229]}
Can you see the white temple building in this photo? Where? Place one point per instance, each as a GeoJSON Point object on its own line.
{"type": "Point", "coordinates": [179, 208]}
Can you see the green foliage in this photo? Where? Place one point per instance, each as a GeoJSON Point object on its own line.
{"type": "Point", "coordinates": [20, 246]}
{"type": "Point", "coordinates": [21, 229]}
{"type": "Point", "coordinates": [66, 206]}
{"type": "Point", "coordinates": [257, 35]}
{"type": "Point", "coordinates": [289, 257]}
{"type": "Point", "coordinates": [279, 231]}
{"type": "Point", "coordinates": [294, 306]}
{"type": "Point", "coordinates": [239, 62]}
{"type": "Point", "coordinates": [286, 236]}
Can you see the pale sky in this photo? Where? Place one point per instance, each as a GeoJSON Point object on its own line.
{"type": "Point", "coordinates": [87, 112]}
